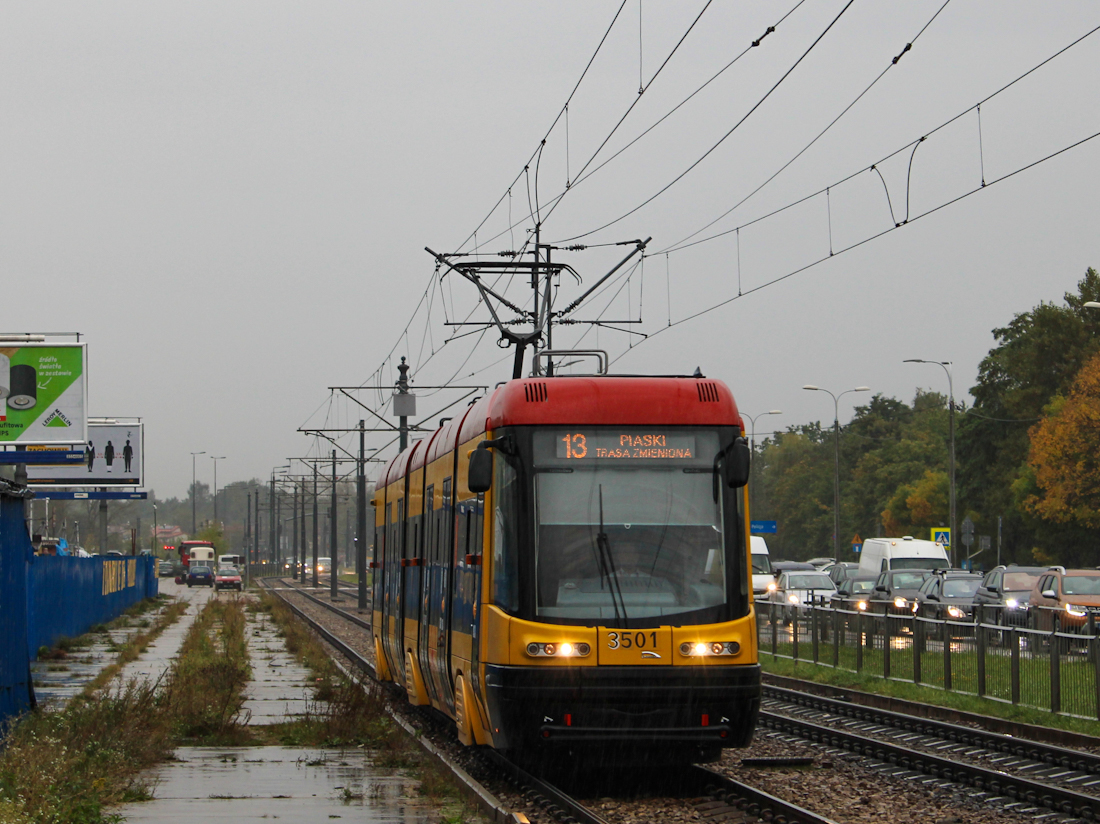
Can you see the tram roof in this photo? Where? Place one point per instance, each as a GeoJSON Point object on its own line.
{"type": "Point", "coordinates": [577, 401]}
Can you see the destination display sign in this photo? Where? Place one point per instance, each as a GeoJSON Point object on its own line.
{"type": "Point", "coordinates": [634, 445]}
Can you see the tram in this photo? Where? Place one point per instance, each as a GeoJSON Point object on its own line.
{"type": "Point", "coordinates": [566, 567]}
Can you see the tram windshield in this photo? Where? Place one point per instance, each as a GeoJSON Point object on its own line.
{"type": "Point", "coordinates": [628, 523]}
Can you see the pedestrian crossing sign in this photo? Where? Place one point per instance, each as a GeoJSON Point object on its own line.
{"type": "Point", "coordinates": [942, 535]}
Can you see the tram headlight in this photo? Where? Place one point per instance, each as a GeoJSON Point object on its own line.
{"type": "Point", "coordinates": [705, 649]}
{"type": "Point", "coordinates": [565, 649]}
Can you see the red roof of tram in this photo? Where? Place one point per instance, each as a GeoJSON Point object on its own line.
{"type": "Point", "coordinates": [612, 401]}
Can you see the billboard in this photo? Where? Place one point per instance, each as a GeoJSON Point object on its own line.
{"type": "Point", "coordinates": [113, 456]}
{"type": "Point", "coordinates": [43, 393]}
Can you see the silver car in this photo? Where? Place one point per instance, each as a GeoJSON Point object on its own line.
{"type": "Point", "coordinates": [796, 589]}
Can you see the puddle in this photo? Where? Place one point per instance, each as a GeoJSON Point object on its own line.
{"type": "Point", "coordinates": [260, 783]}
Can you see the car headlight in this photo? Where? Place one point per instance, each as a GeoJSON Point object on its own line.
{"type": "Point", "coordinates": [772, 587]}
{"type": "Point", "coordinates": [792, 598]}
{"type": "Point", "coordinates": [1012, 603]}
{"type": "Point", "coordinates": [1077, 612]}
{"type": "Point", "coordinates": [861, 605]}
{"type": "Point", "coordinates": [955, 612]}
{"type": "Point", "coordinates": [900, 603]}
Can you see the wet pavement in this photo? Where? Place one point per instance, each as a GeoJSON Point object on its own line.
{"type": "Point", "coordinates": [280, 689]}
{"type": "Point", "coordinates": [242, 784]}
{"type": "Point", "coordinates": [57, 681]}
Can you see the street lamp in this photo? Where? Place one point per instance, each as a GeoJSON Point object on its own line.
{"type": "Point", "coordinates": [951, 429]}
{"type": "Point", "coordinates": [752, 450]}
{"type": "Point", "coordinates": [836, 475]}
{"type": "Point", "coordinates": [215, 459]}
{"type": "Point", "coordinates": [194, 522]}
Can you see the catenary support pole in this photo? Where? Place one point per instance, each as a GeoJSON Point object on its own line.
{"type": "Point", "coordinates": [316, 525]}
{"type": "Point", "coordinates": [361, 519]}
{"type": "Point", "coordinates": [334, 554]}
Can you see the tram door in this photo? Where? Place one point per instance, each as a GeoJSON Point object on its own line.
{"type": "Point", "coordinates": [427, 640]}
{"type": "Point", "coordinates": [394, 632]}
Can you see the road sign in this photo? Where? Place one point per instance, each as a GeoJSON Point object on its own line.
{"type": "Point", "coordinates": [857, 548]}
{"type": "Point", "coordinates": [766, 527]}
{"type": "Point", "coordinates": [97, 495]}
{"type": "Point", "coordinates": [968, 526]}
{"type": "Point", "coordinates": [942, 535]}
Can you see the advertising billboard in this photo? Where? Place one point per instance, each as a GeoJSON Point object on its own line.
{"type": "Point", "coordinates": [43, 393]}
{"type": "Point", "coordinates": [113, 456]}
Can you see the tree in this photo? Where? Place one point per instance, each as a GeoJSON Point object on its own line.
{"type": "Point", "coordinates": [1065, 455]}
{"type": "Point", "coordinates": [1037, 356]}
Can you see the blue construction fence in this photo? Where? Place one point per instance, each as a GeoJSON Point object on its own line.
{"type": "Point", "coordinates": [45, 598]}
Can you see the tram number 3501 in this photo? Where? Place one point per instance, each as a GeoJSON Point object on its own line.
{"type": "Point", "coordinates": [626, 640]}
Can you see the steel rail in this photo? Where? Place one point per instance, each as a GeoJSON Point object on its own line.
{"type": "Point", "coordinates": [343, 613]}
{"type": "Point", "coordinates": [1065, 757]}
{"type": "Point", "coordinates": [756, 802]}
{"type": "Point", "coordinates": [1013, 788]}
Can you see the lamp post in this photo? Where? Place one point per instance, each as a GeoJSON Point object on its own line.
{"type": "Point", "coordinates": [215, 459]}
{"type": "Point", "coordinates": [156, 540]}
{"type": "Point", "coordinates": [194, 494]}
{"type": "Point", "coordinates": [752, 451]}
{"type": "Point", "coordinates": [951, 437]}
{"type": "Point", "coordinates": [836, 471]}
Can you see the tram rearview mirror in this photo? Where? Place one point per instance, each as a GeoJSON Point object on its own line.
{"type": "Point", "coordinates": [738, 462]}
{"type": "Point", "coordinates": [481, 470]}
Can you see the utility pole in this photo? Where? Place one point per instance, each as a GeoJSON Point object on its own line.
{"type": "Point", "coordinates": [404, 405]}
{"type": "Point", "coordinates": [277, 554]}
{"type": "Point", "coordinates": [316, 525]}
{"type": "Point", "coordinates": [294, 527]}
{"type": "Point", "coordinates": [361, 519]}
{"type": "Point", "coordinates": [103, 527]}
{"type": "Point", "coordinates": [301, 574]}
{"type": "Point", "coordinates": [333, 551]}
{"type": "Point", "coordinates": [256, 532]}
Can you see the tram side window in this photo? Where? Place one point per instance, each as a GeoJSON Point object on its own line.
{"type": "Point", "coordinates": [505, 538]}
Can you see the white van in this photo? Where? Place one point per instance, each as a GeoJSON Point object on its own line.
{"type": "Point", "coordinates": [761, 566]}
{"type": "Point", "coordinates": [881, 554]}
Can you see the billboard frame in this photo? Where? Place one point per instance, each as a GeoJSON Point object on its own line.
{"type": "Point", "coordinates": [39, 341]}
{"type": "Point", "coordinates": [99, 481]}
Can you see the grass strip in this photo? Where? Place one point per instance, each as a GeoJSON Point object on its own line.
{"type": "Point", "coordinates": [909, 691]}
{"type": "Point", "coordinates": [204, 692]}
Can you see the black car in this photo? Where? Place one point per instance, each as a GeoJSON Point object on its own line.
{"type": "Point", "coordinates": [200, 575]}
{"type": "Point", "coordinates": [166, 569]}
{"type": "Point", "coordinates": [852, 595]}
{"type": "Point", "coordinates": [948, 595]}
{"type": "Point", "coordinates": [841, 571]}
{"type": "Point", "coordinates": [1005, 592]}
{"type": "Point", "coordinates": [895, 590]}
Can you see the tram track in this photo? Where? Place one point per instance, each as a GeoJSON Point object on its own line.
{"type": "Point", "coordinates": [1029, 777]}
{"type": "Point", "coordinates": [703, 792]}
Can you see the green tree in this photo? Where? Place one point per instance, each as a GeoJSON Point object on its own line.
{"type": "Point", "coordinates": [1037, 357]}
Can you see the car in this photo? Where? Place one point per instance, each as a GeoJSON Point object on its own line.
{"type": "Point", "coordinates": [166, 569]}
{"type": "Point", "coordinates": [1068, 596]}
{"type": "Point", "coordinates": [947, 595]}
{"type": "Point", "coordinates": [201, 575]}
{"type": "Point", "coordinates": [1005, 593]}
{"type": "Point", "coordinates": [895, 590]}
{"type": "Point", "coordinates": [820, 563]}
{"type": "Point", "coordinates": [761, 566]}
{"type": "Point", "coordinates": [798, 588]}
{"type": "Point", "coordinates": [853, 593]}
{"type": "Point", "coordinates": [228, 577]}
{"type": "Point", "coordinates": [324, 565]}
{"type": "Point", "coordinates": [881, 554]}
{"type": "Point", "coordinates": [841, 571]}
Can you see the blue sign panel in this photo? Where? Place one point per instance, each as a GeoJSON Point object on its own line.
{"type": "Point", "coordinates": [43, 456]}
{"type": "Point", "coordinates": [98, 495]}
{"type": "Point", "coordinates": [768, 527]}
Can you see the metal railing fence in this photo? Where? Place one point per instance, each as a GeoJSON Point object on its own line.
{"type": "Point", "coordinates": [1043, 658]}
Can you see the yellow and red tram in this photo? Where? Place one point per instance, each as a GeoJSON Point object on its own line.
{"type": "Point", "coordinates": [567, 565]}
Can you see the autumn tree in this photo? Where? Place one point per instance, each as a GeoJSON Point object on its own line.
{"type": "Point", "coordinates": [1065, 454]}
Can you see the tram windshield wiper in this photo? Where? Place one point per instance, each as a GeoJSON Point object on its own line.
{"type": "Point", "coordinates": [607, 568]}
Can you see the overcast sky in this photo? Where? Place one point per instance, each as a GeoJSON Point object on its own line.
{"type": "Point", "coordinates": [230, 200]}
